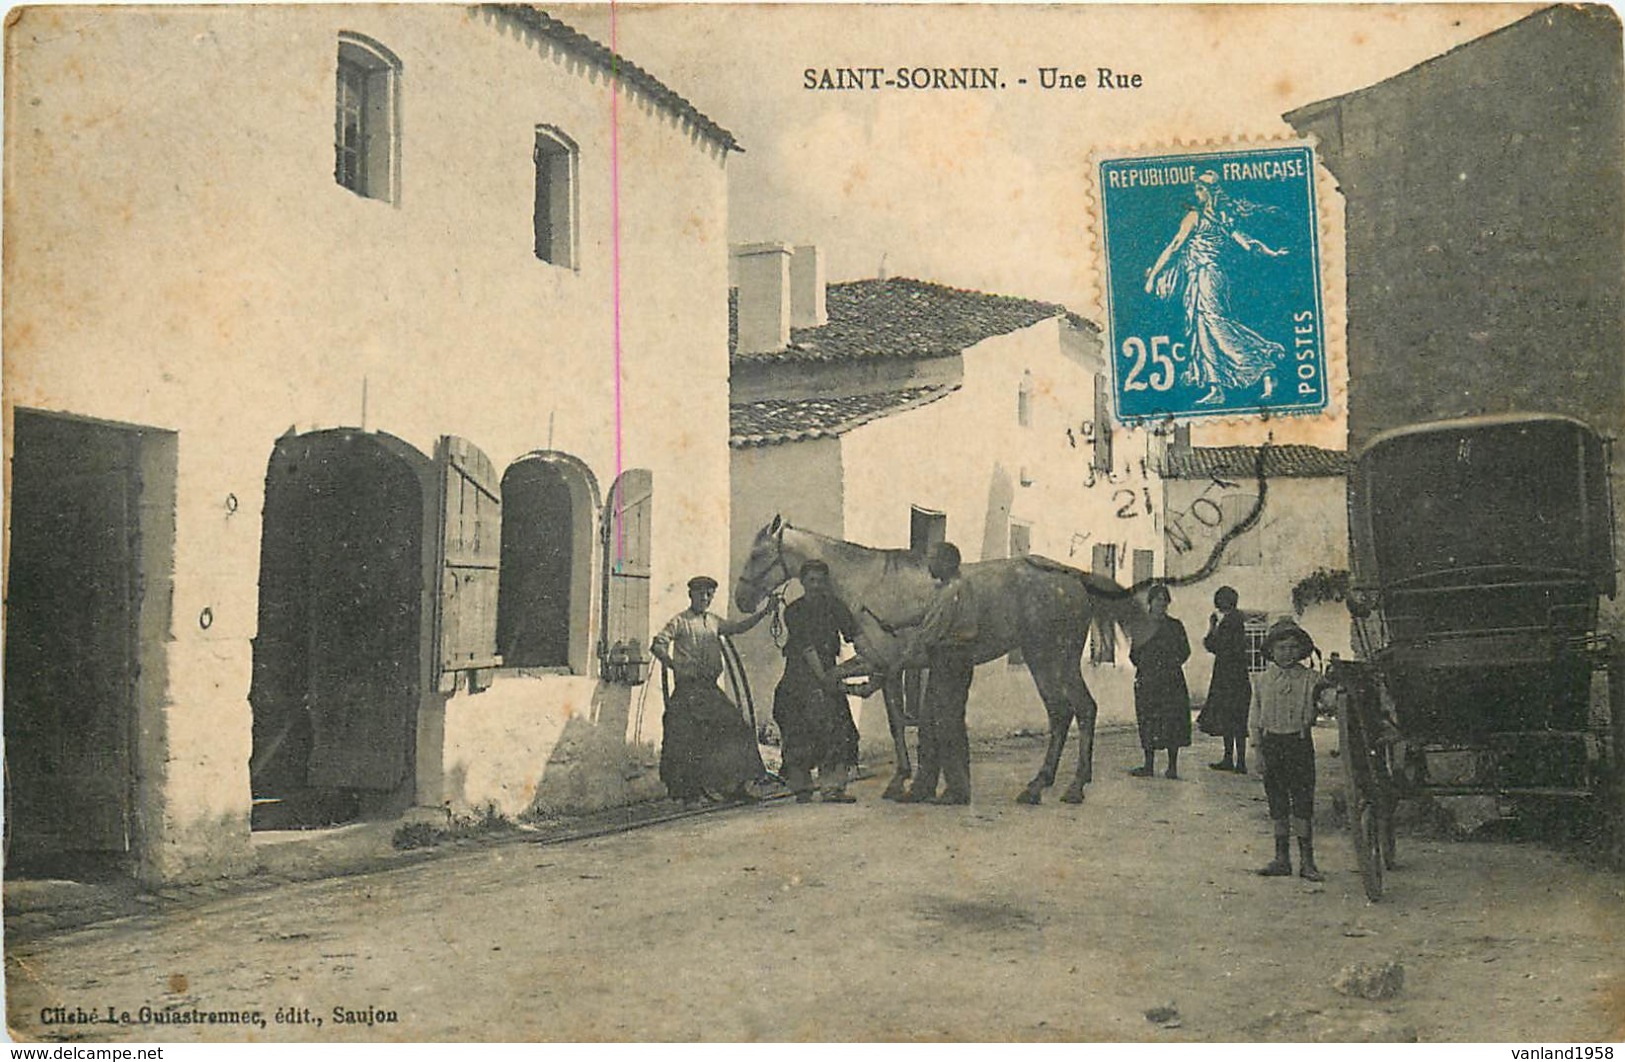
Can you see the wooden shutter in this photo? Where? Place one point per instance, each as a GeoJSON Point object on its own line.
{"type": "Point", "coordinates": [627, 566]}
{"type": "Point", "coordinates": [1145, 566]}
{"type": "Point", "coordinates": [1103, 423]}
{"type": "Point", "coordinates": [470, 554]}
{"type": "Point", "coordinates": [1245, 548]}
{"type": "Point", "coordinates": [1103, 561]}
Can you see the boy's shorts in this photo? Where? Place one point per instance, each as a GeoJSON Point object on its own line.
{"type": "Point", "coordinates": [1289, 775]}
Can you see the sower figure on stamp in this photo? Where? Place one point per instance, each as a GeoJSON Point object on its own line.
{"type": "Point", "coordinates": [1162, 702]}
{"type": "Point", "coordinates": [810, 705]}
{"type": "Point", "coordinates": [1283, 710]}
{"type": "Point", "coordinates": [1230, 692]}
{"type": "Point", "coordinates": [947, 634]}
{"type": "Point", "coordinates": [709, 750]}
{"type": "Point", "coordinates": [1223, 352]}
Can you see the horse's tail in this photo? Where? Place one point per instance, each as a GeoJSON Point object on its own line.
{"type": "Point", "coordinates": [1112, 608]}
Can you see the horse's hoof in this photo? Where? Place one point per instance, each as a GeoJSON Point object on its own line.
{"type": "Point", "coordinates": [1030, 796]}
{"type": "Point", "coordinates": [895, 791]}
{"type": "Point", "coordinates": [1072, 796]}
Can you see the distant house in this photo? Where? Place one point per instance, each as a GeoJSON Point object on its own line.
{"type": "Point", "coordinates": [1301, 530]}
{"type": "Point", "coordinates": [896, 413]}
{"type": "Point", "coordinates": [326, 499]}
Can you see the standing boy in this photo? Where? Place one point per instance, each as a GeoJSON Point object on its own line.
{"type": "Point", "coordinates": [1283, 710]}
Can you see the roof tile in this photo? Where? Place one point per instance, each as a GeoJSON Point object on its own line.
{"type": "Point", "coordinates": [779, 420]}
{"type": "Point", "coordinates": [904, 318]}
{"type": "Point", "coordinates": [1201, 462]}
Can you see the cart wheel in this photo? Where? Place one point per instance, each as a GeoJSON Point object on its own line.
{"type": "Point", "coordinates": [1365, 824]}
{"type": "Point", "coordinates": [1368, 846]}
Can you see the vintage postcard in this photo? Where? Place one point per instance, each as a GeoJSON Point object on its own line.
{"type": "Point", "coordinates": [735, 522]}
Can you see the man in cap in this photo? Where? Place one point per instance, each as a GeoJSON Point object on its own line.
{"type": "Point", "coordinates": [1282, 712]}
{"type": "Point", "coordinates": [709, 750]}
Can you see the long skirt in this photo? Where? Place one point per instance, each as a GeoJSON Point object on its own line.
{"type": "Point", "coordinates": [816, 728]}
{"type": "Point", "coordinates": [708, 747]}
{"type": "Point", "coordinates": [1162, 709]}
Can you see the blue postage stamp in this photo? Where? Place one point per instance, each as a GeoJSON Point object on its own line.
{"type": "Point", "coordinates": [1213, 283]}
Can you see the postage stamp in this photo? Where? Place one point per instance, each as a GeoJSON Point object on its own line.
{"type": "Point", "coordinates": [1212, 281]}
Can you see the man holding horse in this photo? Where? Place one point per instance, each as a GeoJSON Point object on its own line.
{"type": "Point", "coordinates": [947, 634]}
{"type": "Point", "coordinates": [708, 750]}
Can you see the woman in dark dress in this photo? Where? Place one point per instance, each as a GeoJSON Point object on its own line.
{"type": "Point", "coordinates": [1162, 704]}
{"type": "Point", "coordinates": [1230, 692]}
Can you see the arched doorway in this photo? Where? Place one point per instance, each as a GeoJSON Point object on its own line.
{"type": "Point", "coordinates": [341, 657]}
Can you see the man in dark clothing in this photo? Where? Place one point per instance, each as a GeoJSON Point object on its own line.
{"type": "Point", "coordinates": [810, 705]}
{"type": "Point", "coordinates": [947, 633]}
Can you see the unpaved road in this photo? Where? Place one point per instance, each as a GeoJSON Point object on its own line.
{"type": "Point", "coordinates": [876, 921]}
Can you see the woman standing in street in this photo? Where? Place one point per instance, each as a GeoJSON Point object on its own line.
{"type": "Point", "coordinates": [1162, 703]}
{"type": "Point", "coordinates": [1230, 691]}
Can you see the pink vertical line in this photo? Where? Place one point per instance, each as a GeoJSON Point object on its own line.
{"type": "Point", "coordinates": [615, 262]}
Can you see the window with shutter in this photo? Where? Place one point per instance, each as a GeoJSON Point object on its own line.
{"type": "Point", "coordinates": [1246, 549]}
{"type": "Point", "coordinates": [624, 646]}
{"type": "Point", "coordinates": [549, 518]}
{"type": "Point", "coordinates": [1103, 423]}
{"type": "Point", "coordinates": [366, 140]}
{"type": "Point", "coordinates": [1145, 566]}
{"type": "Point", "coordinates": [470, 556]}
{"type": "Point", "coordinates": [1103, 561]}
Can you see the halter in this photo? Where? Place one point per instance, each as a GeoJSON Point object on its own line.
{"type": "Point", "coordinates": [776, 625]}
{"type": "Point", "coordinates": [779, 561]}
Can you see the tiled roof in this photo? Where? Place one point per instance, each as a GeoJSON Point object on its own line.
{"type": "Point", "coordinates": [780, 420]}
{"type": "Point", "coordinates": [629, 72]}
{"type": "Point", "coordinates": [904, 318]}
{"type": "Point", "coordinates": [1303, 462]}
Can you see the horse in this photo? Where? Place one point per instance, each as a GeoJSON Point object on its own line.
{"type": "Point", "coordinates": [1042, 607]}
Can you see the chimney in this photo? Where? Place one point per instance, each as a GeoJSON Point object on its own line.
{"type": "Point", "coordinates": [807, 308]}
{"type": "Point", "coordinates": [763, 272]}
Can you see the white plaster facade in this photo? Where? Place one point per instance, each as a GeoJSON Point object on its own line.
{"type": "Point", "coordinates": [1302, 528]}
{"type": "Point", "coordinates": [178, 256]}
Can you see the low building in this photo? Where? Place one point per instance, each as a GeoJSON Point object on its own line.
{"type": "Point", "coordinates": [1292, 560]}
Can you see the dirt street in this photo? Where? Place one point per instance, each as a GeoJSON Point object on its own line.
{"type": "Point", "coordinates": [878, 921]}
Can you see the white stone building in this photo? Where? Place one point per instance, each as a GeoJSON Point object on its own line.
{"type": "Point", "coordinates": [343, 344]}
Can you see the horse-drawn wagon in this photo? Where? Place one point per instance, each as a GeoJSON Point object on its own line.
{"type": "Point", "coordinates": [1480, 548]}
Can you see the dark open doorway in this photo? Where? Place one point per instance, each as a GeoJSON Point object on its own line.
{"type": "Point", "coordinates": [340, 657]}
{"type": "Point", "coordinates": [92, 525]}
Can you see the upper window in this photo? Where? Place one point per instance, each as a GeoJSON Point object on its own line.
{"type": "Point", "coordinates": [555, 217]}
{"type": "Point", "coordinates": [1024, 401]}
{"type": "Point", "coordinates": [366, 129]}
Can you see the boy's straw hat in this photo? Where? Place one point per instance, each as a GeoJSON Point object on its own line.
{"type": "Point", "coordinates": [1287, 627]}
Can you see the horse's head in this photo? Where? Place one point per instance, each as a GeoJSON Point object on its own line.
{"type": "Point", "coordinates": [766, 569]}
